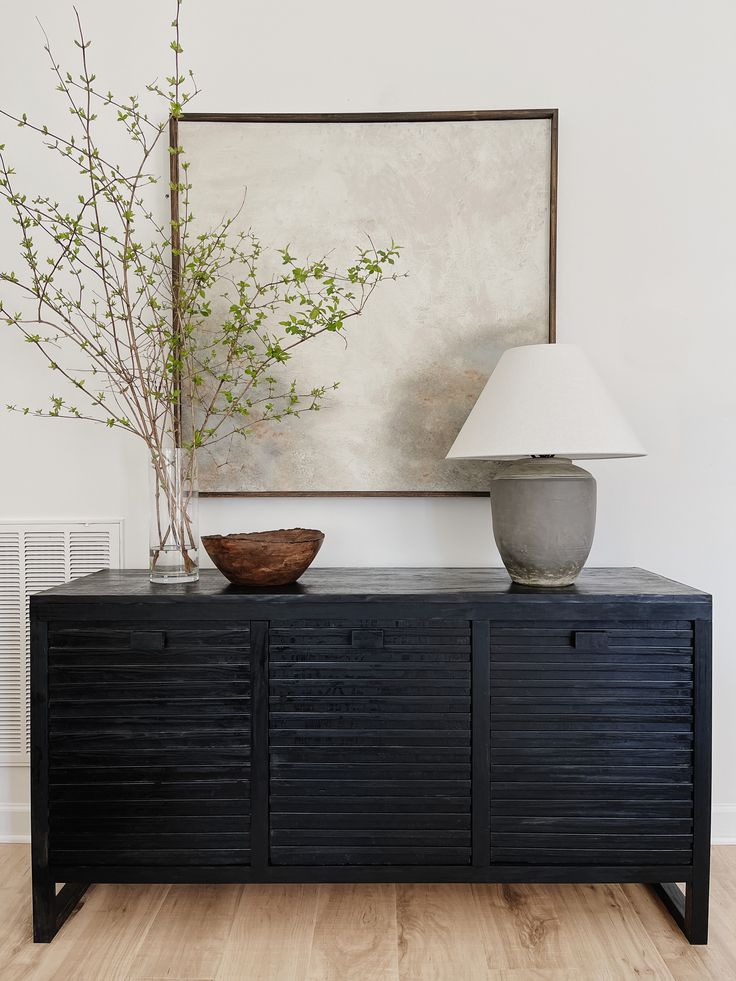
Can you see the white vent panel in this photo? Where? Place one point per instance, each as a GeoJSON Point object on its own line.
{"type": "Point", "coordinates": [12, 642]}
{"type": "Point", "coordinates": [35, 556]}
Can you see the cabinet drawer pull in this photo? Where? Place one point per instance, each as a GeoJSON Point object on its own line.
{"type": "Point", "coordinates": [590, 640]}
{"type": "Point", "coordinates": [148, 640]}
{"type": "Point", "coordinates": [370, 639]}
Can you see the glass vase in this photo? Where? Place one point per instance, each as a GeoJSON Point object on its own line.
{"type": "Point", "coordinates": [174, 517]}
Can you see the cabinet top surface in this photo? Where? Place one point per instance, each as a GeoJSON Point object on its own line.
{"type": "Point", "coordinates": [441, 584]}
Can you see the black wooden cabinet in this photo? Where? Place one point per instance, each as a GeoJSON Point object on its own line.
{"type": "Point", "coordinates": [591, 743]}
{"type": "Point", "coordinates": [149, 739]}
{"type": "Point", "coordinates": [369, 742]}
{"type": "Point", "coordinates": [371, 725]}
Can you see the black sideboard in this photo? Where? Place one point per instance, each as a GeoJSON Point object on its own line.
{"type": "Point", "coordinates": [426, 725]}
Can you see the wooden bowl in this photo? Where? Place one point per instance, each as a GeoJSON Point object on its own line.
{"type": "Point", "coordinates": [264, 558]}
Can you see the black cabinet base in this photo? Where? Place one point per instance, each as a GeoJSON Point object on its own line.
{"type": "Point", "coordinates": [689, 909]}
{"type": "Point", "coordinates": [51, 909]}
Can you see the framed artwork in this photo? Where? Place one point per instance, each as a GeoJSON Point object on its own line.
{"type": "Point", "coordinates": [471, 197]}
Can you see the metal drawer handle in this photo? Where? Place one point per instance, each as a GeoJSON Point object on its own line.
{"type": "Point", "coordinates": [148, 640]}
{"type": "Point", "coordinates": [590, 640]}
{"type": "Point", "coordinates": [367, 638]}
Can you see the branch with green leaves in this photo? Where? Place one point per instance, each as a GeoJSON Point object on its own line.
{"type": "Point", "coordinates": [134, 337]}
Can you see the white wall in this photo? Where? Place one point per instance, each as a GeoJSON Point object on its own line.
{"type": "Point", "coordinates": [647, 254]}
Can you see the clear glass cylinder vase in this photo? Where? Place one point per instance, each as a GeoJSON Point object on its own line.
{"type": "Point", "coordinates": [174, 516]}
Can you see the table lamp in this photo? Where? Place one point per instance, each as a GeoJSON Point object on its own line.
{"type": "Point", "coordinates": [543, 406]}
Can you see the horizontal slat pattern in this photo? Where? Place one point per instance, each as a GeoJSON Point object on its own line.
{"type": "Point", "coordinates": [591, 750]}
{"type": "Point", "coordinates": [101, 640]}
{"type": "Point", "coordinates": [186, 855]}
{"type": "Point", "coordinates": [370, 745]}
{"type": "Point", "coordinates": [149, 745]}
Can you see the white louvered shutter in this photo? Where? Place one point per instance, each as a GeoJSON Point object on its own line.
{"type": "Point", "coordinates": [12, 642]}
{"type": "Point", "coordinates": [33, 557]}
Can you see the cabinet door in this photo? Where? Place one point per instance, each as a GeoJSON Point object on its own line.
{"type": "Point", "coordinates": [149, 745]}
{"type": "Point", "coordinates": [370, 742]}
{"type": "Point", "coordinates": [591, 743]}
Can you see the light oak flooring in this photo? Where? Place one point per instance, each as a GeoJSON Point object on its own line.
{"type": "Point", "coordinates": [364, 932]}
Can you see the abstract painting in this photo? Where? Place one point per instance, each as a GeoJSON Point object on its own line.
{"type": "Point", "coordinates": [471, 200]}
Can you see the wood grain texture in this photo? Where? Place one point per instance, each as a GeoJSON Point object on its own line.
{"type": "Point", "coordinates": [99, 679]}
{"type": "Point", "coordinates": [187, 937]}
{"type": "Point", "coordinates": [544, 673]}
{"type": "Point", "coordinates": [331, 933]}
{"type": "Point", "coordinates": [355, 934]}
{"type": "Point", "coordinates": [432, 925]}
{"type": "Point", "coordinates": [272, 933]}
{"type": "Point", "coordinates": [370, 583]}
{"type": "Point", "coordinates": [321, 669]}
{"type": "Point", "coordinates": [100, 942]}
{"type": "Point", "coordinates": [519, 926]}
{"type": "Point", "coordinates": [264, 558]}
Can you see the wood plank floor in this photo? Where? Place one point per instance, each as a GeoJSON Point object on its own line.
{"type": "Point", "coordinates": [364, 932]}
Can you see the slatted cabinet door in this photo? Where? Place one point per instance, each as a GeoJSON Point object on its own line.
{"type": "Point", "coordinates": [149, 745]}
{"type": "Point", "coordinates": [591, 743]}
{"type": "Point", "coordinates": [370, 742]}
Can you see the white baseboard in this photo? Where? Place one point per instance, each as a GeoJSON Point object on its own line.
{"type": "Point", "coordinates": [724, 824]}
{"type": "Point", "coordinates": [15, 823]}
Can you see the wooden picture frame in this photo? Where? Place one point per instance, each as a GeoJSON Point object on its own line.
{"type": "Point", "coordinates": [178, 137]}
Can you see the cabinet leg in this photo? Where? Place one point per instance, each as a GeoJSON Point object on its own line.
{"type": "Point", "coordinates": [44, 907]}
{"type": "Point", "coordinates": [688, 910]}
{"type": "Point", "coordinates": [51, 909]}
{"type": "Point", "coordinates": [696, 908]}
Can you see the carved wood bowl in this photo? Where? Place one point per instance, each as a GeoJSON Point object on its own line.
{"type": "Point", "coordinates": [264, 558]}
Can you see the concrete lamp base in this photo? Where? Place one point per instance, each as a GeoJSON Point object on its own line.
{"type": "Point", "coordinates": [543, 519]}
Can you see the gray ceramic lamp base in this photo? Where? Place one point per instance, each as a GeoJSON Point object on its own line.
{"type": "Point", "coordinates": [543, 519]}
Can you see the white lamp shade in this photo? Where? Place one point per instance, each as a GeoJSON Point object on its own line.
{"type": "Point", "coordinates": [545, 399]}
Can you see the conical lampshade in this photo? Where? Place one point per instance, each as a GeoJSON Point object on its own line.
{"type": "Point", "coordinates": [545, 399]}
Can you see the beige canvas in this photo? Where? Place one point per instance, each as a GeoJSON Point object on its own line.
{"type": "Point", "coordinates": [469, 202]}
